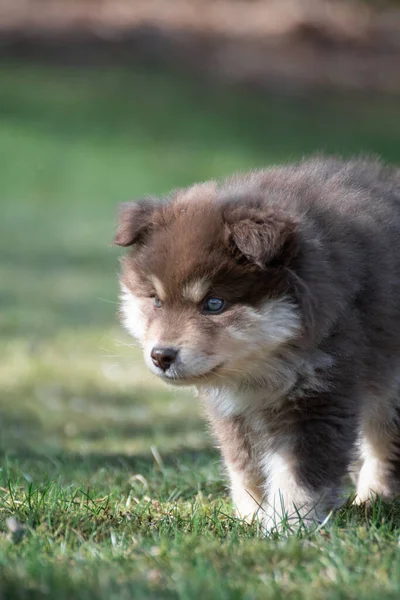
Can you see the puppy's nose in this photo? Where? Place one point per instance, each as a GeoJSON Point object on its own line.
{"type": "Point", "coordinates": [163, 357]}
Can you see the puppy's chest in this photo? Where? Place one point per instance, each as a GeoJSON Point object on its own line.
{"type": "Point", "coordinates": [233, 402]}
{"type": "Point", "coordinates": [277, 396]}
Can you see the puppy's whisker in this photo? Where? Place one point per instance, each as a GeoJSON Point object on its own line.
{"type": "Point", "coordinates": [122, 344]}
{"type": "Point", "coordinates": [108, 301]}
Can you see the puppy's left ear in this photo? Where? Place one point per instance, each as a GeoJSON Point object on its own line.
{"type": "Point", "coordinates": [135, 220]}
{"type": "Point", "coordinates": [265, 236]}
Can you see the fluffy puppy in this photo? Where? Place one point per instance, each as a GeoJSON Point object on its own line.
{"type": "Point", "coordinates": [276, 294]}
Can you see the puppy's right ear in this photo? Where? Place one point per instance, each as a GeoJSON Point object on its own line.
{"type": "Point", "coordinates": [134, 222]}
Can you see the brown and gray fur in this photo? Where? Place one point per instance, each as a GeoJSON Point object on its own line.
{"type": "Point", "coordinates": [300, 373]}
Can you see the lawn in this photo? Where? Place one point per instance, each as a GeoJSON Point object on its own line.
{"type": "Point", "coordinates": [112, 480]}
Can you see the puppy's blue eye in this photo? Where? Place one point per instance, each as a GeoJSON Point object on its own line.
{"type": "Point", "coordinates": [214, 305]}
{"type": "Point", "coordinates": [157, 302]}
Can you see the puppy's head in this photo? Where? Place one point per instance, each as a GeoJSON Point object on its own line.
{"type": "Point", "coordinates": [205, 285]}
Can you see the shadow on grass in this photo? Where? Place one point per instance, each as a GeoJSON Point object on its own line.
{"type": "Point", "coordinates": [30, 451]}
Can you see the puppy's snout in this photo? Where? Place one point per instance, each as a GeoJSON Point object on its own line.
{"type": "Point", "coordinates": [163, 357]}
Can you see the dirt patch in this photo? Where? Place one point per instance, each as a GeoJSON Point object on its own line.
{"type": "Point", "coordinates": [273, 43]}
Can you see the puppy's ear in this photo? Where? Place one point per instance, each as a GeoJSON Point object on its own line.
{"type": "Point", "coordinates": [134, 222]}
{"type": "Point", "coordinates": [265, 236]}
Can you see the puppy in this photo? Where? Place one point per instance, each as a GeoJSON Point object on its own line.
{"type": "Point", "coordinates": [276, 294]}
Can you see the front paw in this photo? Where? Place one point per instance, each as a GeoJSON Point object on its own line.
{"type": "Point", "coordinates": [290, 521]}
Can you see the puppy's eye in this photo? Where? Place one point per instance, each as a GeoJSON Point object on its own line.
{"type": "Point", "coordinates": [157, 302]}
{"type": "Point", "coordinates": [214, 305]}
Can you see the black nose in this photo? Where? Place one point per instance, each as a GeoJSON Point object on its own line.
{"type": "Point", "coordinates": [163, 357]}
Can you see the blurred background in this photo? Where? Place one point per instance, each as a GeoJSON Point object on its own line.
{"type": "Point", "coordinates": [102, 101]}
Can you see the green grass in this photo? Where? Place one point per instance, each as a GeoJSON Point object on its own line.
{"type": "Point", "coordinates": [114, 478]}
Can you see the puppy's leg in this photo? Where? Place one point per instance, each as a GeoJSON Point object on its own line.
{"type": "Point", "coordinates": [245, 480]}
{"type": "Point", "coordinates": [380, 455]}
{"type": "Point", "coordinates": [245, 494]}
{"type": "Point", "coordinates": [304, 475]}
{"type": "Point", "coordinates": [290, 500]}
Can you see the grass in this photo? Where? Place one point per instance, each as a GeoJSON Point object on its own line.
{"type": "Point", "coordinates": [113, 480]}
